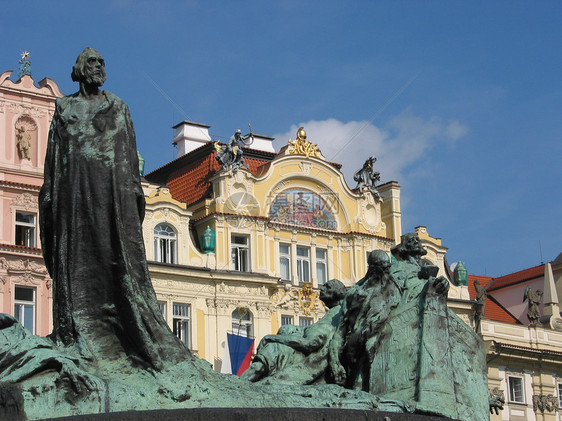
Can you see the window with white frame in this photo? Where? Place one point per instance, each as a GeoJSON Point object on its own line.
{"type": "Point", "coordinates": [24, 307]}
{"type": "Point", "coordinates": [516, 389]}
{"type": "Point", "coordinates": [285, 261]}
{"type": "Point", "coordinates": [305, 321]}
{"type": "Point", "coordinates": [182, 323]}
{"type": "Point", "coordinates": [286, 320]}
{"type": "Point", "coordinates": [321, 265]}
{"type": "Point", "coordinates": [165, 244]}
{"type": "Point", "coordinates": [240, 250]}
{"type": "Point", "coordinates": [162, 307]}
{"type": "Point", "coordinates": [25, 229]}
{"type": "Point", "coordinates": [242, 322]}
{"type": "Point", "coordinates": [303, 264]}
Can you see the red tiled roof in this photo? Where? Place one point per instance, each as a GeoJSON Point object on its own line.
{"type": "Point", "coordinates": [493, 309]}
{"type": "Point", "coordinates": [191, 182]}
{"type": "Point", "coordinates": [188, 176]}
{"type": "Point", "coordinates": [517, 277]}
{"type": "Point", "coordinates": [483, 282]}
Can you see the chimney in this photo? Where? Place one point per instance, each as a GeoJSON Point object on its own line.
{"type": "Point", "coordinates": [189, 136]}
{"type": "Point", "coordinates": [262, 143]}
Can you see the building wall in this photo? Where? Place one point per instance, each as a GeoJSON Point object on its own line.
{"type": "Point", "coordinates": [26, 110]}
{"type": "Point", "coordinates": [531, 354]}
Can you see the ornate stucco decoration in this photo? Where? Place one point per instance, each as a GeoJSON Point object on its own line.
{"type": "Point", "coordinates": [545, 403]}
{"type": "Point", "coordinates": [26, 272]}
{"type": "Point", "coordinates": [25, 201]}
{"type": "Point", "coordinates": [371, 218]}
{"type": "Point", "coordinates": [306, 167]}
{"type": "Point", "coordinates": [264, 309]}
{"type": "Point", "coordinates": [303, 298]}
{"type": "Point", "coordinates": [23, 266]}
{"type": "Point", "coordinates": [17, 108]}
{"type": "Point", "coordinates": [307, 298]}
{"type": "Point", "coordinates": [301, 146]}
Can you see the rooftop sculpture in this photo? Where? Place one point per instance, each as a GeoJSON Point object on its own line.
{"type": "Point", "coordinates": [367, 177]}
{"type": "Point", "coordinates": [533, 298]}
{"type": "Point", "coordinates": [231, 155]}
{"type": "Point", "coordinates": [389, 343]}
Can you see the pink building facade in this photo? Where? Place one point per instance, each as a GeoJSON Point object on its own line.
{"type": "Point", "coordinates": [26, 110]}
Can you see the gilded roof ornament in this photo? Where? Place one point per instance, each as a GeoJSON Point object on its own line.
{"type": "Point", "coordinates": [301, 146]}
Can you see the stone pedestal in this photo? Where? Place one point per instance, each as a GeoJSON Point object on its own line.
{"type": "Point", "coordinates": [253, 414]}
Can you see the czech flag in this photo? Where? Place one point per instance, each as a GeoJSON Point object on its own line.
{"type": "Point", "coordinates": [237, 354]}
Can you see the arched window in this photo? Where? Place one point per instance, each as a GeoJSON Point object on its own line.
{"type": "Point", "coordinates": [242, 322]}
{"type": "Point", "coordinates": [165, 240]}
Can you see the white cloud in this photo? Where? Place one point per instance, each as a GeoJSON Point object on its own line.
{"type": "Point", "coordinates": [405, 140]}
{"type": "Point", "coordinates": [455, 130]}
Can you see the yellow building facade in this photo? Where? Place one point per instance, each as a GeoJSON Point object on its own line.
{"type": "Point", "coordinates": [283, 226]}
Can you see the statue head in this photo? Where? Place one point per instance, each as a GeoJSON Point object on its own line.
{"type": "Point", "coordinates": [410, 246]}
{"type": "Point", "coordinates": [378, 261]}
{"type": "Point", "coordinates": [332, 292]}
{"type": "Point", "coordinates": [89, 68]}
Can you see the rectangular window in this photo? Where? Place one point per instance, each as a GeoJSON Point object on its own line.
{"type": "Point", "coordinates": [181, 323]}
{"type": "Point", "coordinates": [305, 321]}
{"type": "Point", "coordinates": [516, 390]}
{"type": "Point", "coordinates": [285, 261]}
{"type": "Point", "coordinates": [162, 307]}
{"type": "Point", "coordinates": [560, 395]}
{"type": "Point", "coordinates": [303, 264]}
{"type": "Point", "coordinates": [321, 273]}
{"type": "Point", "coordinates": [24, 307]}
{"type": "Point", "coordinates": [241, 253]}
{"type": "Point", "coordinates": [25, 229]}
{"type": "Point", "coordinates": [286, 320]}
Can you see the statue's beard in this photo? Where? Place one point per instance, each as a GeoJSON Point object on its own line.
{"type": "Point", "coordinates": [96, 79]}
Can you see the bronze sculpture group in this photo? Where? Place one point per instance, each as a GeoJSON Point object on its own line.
{"type": "Point", "coordinates": [392, 336]}
{"type": "Point", "coordinates": [390, 339]}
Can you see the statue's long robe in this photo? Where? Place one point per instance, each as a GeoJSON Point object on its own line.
{"type": "Point", "coordinates": [91, 212]}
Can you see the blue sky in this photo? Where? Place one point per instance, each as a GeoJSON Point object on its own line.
{"type": "Point", "coordinates": [460, 101]}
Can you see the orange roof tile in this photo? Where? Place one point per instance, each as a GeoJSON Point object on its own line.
{"type": "Point", "coordinates": [517, 277]}
{"type": "Point", "coordinates": [191, 182]}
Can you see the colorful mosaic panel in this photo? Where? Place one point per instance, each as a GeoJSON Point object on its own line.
{"type": "Point", "coordinates": [302, 208]}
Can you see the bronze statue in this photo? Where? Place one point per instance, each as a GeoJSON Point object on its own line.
{"type": "Point", "coordinates": [299, 355]}
{"type": "Point", "coordinates": [231, 155]}
{"type": "Point", "coordinates": [365, 309]}
{"type": "Point", "coordinates": [91, 211]}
